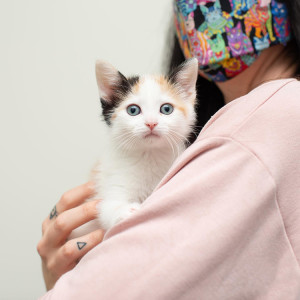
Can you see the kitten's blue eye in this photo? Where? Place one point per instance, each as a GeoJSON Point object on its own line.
{"type": "Point", "coordinates": [166, 109]}
{"type": "Point", "coordinates": [133, 110]}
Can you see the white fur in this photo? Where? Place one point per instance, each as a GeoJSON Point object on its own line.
{"type": "Point", "coordinates": [132, 165]}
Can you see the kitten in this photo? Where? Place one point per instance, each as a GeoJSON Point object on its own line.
{"type": "Point", "coordinates": [148, 120]}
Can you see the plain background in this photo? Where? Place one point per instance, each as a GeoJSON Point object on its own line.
{"type": "Point", "coordinates": [49, 115]}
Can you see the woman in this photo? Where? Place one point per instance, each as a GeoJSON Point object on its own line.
{"type": "Point", "coordinates": [224, 222]}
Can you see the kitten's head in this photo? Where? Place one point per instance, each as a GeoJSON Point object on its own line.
{"type": "Point", "coordinates": [148, 111]}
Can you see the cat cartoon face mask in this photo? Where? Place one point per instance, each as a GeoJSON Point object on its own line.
{"type": "Point", "coordinates": [226, 36]}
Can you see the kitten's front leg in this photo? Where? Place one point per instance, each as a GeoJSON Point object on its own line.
{"type": "Point", "coordinates": [112, 211]}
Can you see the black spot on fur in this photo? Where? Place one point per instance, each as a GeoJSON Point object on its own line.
{"type": "Point", "coordinates": [133, 80]}
{"type": "Point", "coordinates": [173, 74]}
{"type": "Point", "coordinates": [119, 92]}
{"type": "Point", "coordinates": [107, 110]}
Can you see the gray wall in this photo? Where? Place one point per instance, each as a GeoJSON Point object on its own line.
{"type": "Point", "coordinates": [49, 114]}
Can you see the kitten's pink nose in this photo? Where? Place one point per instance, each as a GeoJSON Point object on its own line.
{"type": "Point", "coordinates": [151, 125]}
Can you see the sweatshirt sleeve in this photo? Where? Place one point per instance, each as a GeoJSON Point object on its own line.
{"type": "Point", "coordinates": [212, 230]}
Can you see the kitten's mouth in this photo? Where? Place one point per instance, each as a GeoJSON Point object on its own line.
{"type": "Point", "coordinates": [151, 134]}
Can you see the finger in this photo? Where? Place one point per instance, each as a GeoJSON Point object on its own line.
{"type": "Point", "coordinates": [71, 252]}
{"type": "Point", "coordinates": [70, 219]}
{"type": "Point", "coordinates": [70, 199]}
{"type": "Point", "coordinates": [75, 196]}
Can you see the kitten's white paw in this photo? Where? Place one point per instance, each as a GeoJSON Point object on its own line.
{"type": "Point", "coordinates": [109, 215]}
{"type": "Point", "coordinates": [126, 211]}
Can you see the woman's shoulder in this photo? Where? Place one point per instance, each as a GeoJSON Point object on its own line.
{"type": "Point", "coordinates": [266, 121]}
{"type": "Point", "coordinates": [273, 103]}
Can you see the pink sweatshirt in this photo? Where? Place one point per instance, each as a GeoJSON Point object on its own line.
{"type": "Point", "coordinates": [224, 223]}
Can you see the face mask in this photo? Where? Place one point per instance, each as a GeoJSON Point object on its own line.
{"type": "Point", "coordinates": [226, 36]}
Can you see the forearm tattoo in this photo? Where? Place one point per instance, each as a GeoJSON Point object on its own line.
{"type": "Point", "coordinates": [53, 213]}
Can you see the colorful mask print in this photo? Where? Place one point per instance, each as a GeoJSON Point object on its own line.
{"type": "Point", "coordinates": [227, 36]}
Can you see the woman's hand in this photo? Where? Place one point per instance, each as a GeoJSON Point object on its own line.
{"type": "Point", "coordinates": [58, 254]}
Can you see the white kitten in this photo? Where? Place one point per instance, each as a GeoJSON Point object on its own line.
{"type": "Point", "coordinates": [149, 120]}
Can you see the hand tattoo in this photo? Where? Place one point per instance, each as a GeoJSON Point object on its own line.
{"type": "Point", "coordinates": [80, 245]}
{"type": "Point", "coordinates": [53, 213]}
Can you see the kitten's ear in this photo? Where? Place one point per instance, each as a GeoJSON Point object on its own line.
{"type": "Point", "coordinates": [109, 80]}
{"type": "Point", "coordinates": [185, 78]}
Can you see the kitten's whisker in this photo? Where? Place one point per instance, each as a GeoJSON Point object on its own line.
{"type": "Point", "coordinates": [133, 142]}
{"type": "Point", "coordinates": [124, 135]}
{"type": "Point", "coordinates": [170, 143]}
{"type": "Point", "coordinates": [176, 144]}
{"type": "Point", "coordinates": [187, 140]}
{"type": "Point", "coordinates": [178, 134]}
{"type": "Point", "coordinates": [179, 137]}
{"type": "Point", "coordinates": [124, 143]}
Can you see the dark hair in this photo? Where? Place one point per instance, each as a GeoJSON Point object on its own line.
{"type": "Point", "coordinates": [293, 7]}
{"type": "Point", "coordinates": [209, 96]}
